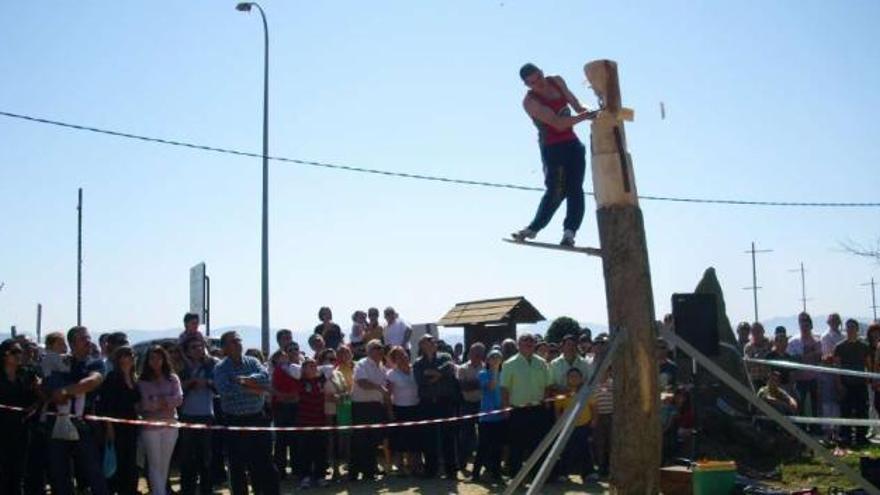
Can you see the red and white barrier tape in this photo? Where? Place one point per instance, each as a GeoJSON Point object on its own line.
{"type": "Point", "coordinates": [202, 426]}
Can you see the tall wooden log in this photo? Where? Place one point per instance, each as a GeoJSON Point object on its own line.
{"type": "Point", "coordinates": [636, 432]}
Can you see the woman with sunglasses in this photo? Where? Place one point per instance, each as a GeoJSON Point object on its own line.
{"type": "Point", "coordinates": [119, 398]}
{"type": "Point", "coordinates": [18, 388]}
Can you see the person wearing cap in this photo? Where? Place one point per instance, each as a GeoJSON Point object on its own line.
{"type": "Point", "coordinates": [569, 359]}
{"type": "Point", "coordinates": [369, 397]}
{"type": "Point", "coordinates": [438, 392]}
{"type": "Point", "coordinates": [492, 426]}
{"type": "Point", "coordinates": [525, 382]}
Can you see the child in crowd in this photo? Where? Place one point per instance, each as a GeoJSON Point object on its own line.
{"type": "Point", "coordinates": [576, 456]}
{"type": "Point", "coordinates": [312, 445]}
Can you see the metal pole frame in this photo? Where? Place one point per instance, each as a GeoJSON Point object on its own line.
{"type": "Point", "coordinates": [767, 409]}
{"type": "Point", "coordinates": [39, 330]}
{"type": "Point", "coordinates": [562, 428]}
{"type": "Point", "coordinates": [754, 288]}
{"type": "Point", "coordinates": [79, 208]}
{"type": "Point", "coordinates": [264, 258]}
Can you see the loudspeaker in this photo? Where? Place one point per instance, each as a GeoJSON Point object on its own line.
{"type": "Point", "coordinates": [696, 321]}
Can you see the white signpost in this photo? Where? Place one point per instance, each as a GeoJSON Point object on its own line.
{"type": "Point", "coordinates": [198, 302]}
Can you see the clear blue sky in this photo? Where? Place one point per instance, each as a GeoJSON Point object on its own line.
{"type": "Point", "coordinates": [765, 100]}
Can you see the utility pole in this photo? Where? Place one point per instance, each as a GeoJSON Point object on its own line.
{"type": "Point", "coordinates": [635, 448]}
{"type": "Point", "coordinates": [873, 296]}
{"type": "Point", "coordinates": [79, 226]}
{"type": "Point", "coordinates": [754, 288]}
{"type": "Point", "coordinates": [39, 330]}
{"type": "Point", "coordinates": [803, 286]}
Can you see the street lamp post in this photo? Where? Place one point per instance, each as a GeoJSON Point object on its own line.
{"type": "Point", "coordinates": [264, 326]}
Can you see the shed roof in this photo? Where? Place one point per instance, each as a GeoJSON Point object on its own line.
{"type": "Point", "coordinates": [491, 311]}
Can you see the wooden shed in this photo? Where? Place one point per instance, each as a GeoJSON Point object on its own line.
{"type": "Point", "coordinates": [491, 320]}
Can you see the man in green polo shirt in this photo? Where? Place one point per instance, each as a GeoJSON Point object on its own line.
{"type": "Point", "coordinates": [569, 359]}
{"type": "Point", "coordinates": [525, 382]}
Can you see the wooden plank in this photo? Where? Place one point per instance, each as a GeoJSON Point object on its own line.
{"type": "Point", "coordinates": [547, 245]}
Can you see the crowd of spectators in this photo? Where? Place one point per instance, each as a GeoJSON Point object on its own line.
{"type": "Point", "coordinates": [811, 392]}
{"type": "Point", "coordinates": [371, 375]}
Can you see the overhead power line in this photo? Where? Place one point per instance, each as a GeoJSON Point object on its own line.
{"type": "Point", "coordinates": [406, 175]}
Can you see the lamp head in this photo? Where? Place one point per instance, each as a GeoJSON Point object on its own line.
{"type": "Point", "coordinates": [244, 7]}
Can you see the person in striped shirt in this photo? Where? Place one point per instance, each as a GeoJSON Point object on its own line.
{"type": "Point", "coordinates": [602, 409]}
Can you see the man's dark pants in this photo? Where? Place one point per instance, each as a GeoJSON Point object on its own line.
{"type": "Point", "coordinates": [491, 441]}
{"type": "Point", "coordinates": [467, 439]}
{"type": "Point", "coordinates": [86, 457]}
{"type": "Point", "coordinates": [35, 465]}
{"type": "Point", "coordinates": [284, 414]}
{"type": "Point", "coordinates": [854, 405]}
{"type": "Point", "coordinates": [250, 452]}
{"type": "Point", "coordinates": [196, 457]}
{"type": "Point", "coordinates": [365, 442]}
{"type": "Point", "coordinates": [564, 169]}
{"type": "Point", "coordinates": [436, 409]}
{"type": "Point", "coordinates": [809, 388]}
{"type": "Point", "coordinates": [527, 428]}
{"type": "Point", "coordinates": [577, 458]}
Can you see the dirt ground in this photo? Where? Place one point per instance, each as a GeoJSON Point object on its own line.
{"type": "Point", "coordinates": [418, 486]}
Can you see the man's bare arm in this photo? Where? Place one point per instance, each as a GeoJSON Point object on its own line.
{"type": "Point", "coordinates": [569, 96]}
{"type": "Point", "coordinates": [543, 114]}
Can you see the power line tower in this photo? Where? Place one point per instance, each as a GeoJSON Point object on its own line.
{"type": "Point", "coordinates": [803, 298]}
{"type": "Point", "coordinates": [873, 296]}
{"type": "Point", "coordinates": [754, 288]}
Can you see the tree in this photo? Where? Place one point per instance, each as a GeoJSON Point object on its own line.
{"type": "Point", "coordinates": [562, 326]}
{"type": "Point", "coordinates": [863, 250]}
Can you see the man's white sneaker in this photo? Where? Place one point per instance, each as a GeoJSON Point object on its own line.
{"type": "Point", "coordinates": [524, 235]}
{"type": "Point", "coordinates": [567, 239]}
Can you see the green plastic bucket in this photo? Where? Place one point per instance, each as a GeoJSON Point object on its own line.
{"type": "Point", "coordinates": [714, 478]}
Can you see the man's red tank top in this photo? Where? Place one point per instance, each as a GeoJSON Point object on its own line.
{"type": "Point", "coordinates": [547, 134]}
